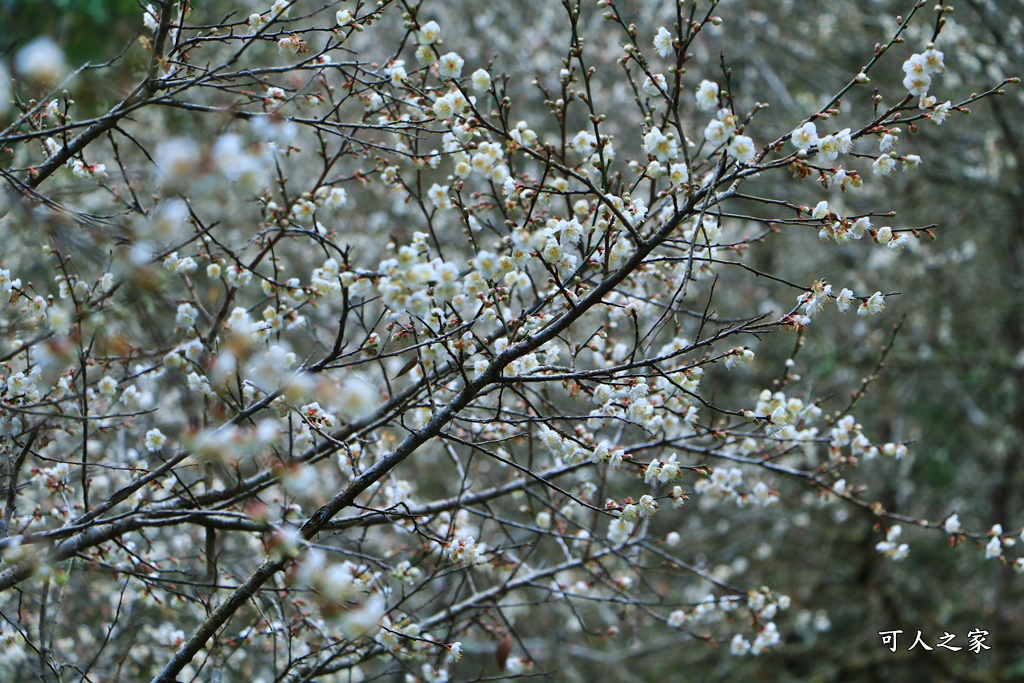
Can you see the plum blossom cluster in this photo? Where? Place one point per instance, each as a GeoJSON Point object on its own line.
{"type": "Point", "coordinates": [722, 130]}
{"type": "Point", "coordinates": [890, 547]}
{"type": "Point", "coordinates": [763, 605]}
{"type": "Point", "coordinates": [723, 483]}
{"type": "Point", "coordinates": [813, 302]}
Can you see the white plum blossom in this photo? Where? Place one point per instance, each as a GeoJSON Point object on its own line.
{"type": "Point", "coordinates": [450, 65]}
{"type": "Point", "coordinates": [994, 548]}
{"type": "Point", "coordinates": [647, 505]}
{"type": "Point", "coordinates": [396, 72]}
{"type": "Point", "coordinates": [767, 638]}
{"type": "Point", "coordinates": [917, 83]}
{"type": "Point", "coordinates": [707, 95]}
{"type": "Point", "coordinates": [186, 315]}
{"type": "Point", "coordinates": [333, 198]}
{"type": "Point", "coordinates": [742, 149]}
{"type": "Point", "coordinates": [481, 80]}
{"type": "Point", "coordinates": [872, 305]}
{"type": "Point", "coordinates": [860, 227]}
{"type": "Point", "coordinates": [678, 174]}
{"type": "Point", "coordinates": [940, 112]}
{"type": "Point", "coordinates": [256, 23]}
{"type": "Point", "coordinates": [883, 165]}
{"type": "Point", "coordinates": [806, 136]}
{"type": "Point", "coordinates": [890, 548]}
{"type": "Point", "coordinates": [828, 147]}
{"type": "Point", "coordinates": [291, 45]}
{"type": "Point", "coordinates": [438, 195]}
{"type": "Point", "coordinates": [280, 8]}
{"type": "Point", "coordinates": [155, 440]}
{"type": "Point", "coordinates": [662, 147]}
{"type": "Point", "coordinates": [83, 170]}
{"type": "Point", "coordinates": [918, 79]}
{"type": "Point", "coordinates": [584, 142]}
{"type": "Point", "coordinates": [919, 69]}
{"type": "Point", "coordinates": [844, 300]}
{"type": "Point", "coordinates": [107, 386]}
{"type": "Point", "coordinates": [844, 141]}
{"type": "Point", "coordinates": [151, 18]}
{"type": "Point", "coordinates": [663, 42]}
{"type": "Point", "coordinates": [443, 108]}
{"type": "Point", "coordinates": [619, 530]}
{"type": "Point", "coordinates": [655, 87]}
{"type": "Point", "coordinates": [739, 645]}
{"type": "Point", "coordinates": [933, 61]}
{"type": "Point", "coordinates": [716, 132]}
{"type": "Point", "coordinates": [429, 33]}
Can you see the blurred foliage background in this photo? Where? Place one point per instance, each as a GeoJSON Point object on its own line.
{"type": "Point", "coordinates": [89, 30]}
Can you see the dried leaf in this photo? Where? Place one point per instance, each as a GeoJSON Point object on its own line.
{"type": "Point", "coordinates": [504, 648]}
{"type": "Point", "coordinates": [407, 368]}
